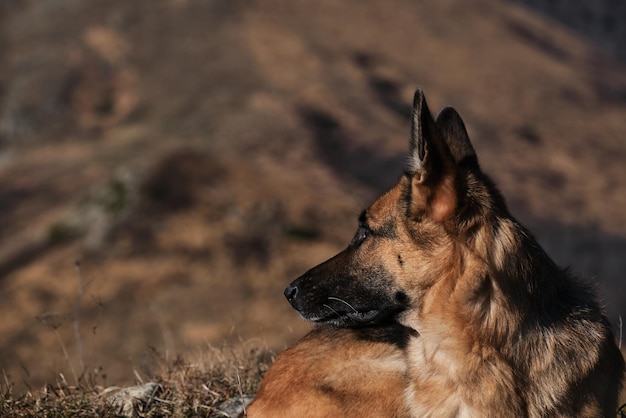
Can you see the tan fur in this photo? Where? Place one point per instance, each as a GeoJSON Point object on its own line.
{"type": "Point", "coordinates": [323, 376]}
{"type": "Point", "coordinates": [497, 329]}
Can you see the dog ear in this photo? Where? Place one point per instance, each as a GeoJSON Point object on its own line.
{"type": "Point", "coordinates": [432, 166]}
{"type": "Point", "coordinates": [455, 135]}
{"type": "Point", "coordinates": [422, 127]}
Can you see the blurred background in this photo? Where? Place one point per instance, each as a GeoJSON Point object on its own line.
{"type": "Point", "coordinates": [195, 156]}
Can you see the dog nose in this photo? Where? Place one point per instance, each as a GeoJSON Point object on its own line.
{"type": "Point", "coordinates": [290, 292]}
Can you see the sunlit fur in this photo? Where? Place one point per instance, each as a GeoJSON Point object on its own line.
{"type": "Point", "coordinates": [334, 372]}
{"type": "Point", "coordinates": [498, 330]}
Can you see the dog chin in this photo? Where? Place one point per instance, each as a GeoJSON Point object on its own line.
{"type": "Point", "coordinates": [348, 319]}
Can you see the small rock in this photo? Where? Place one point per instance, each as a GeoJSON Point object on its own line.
{"type": "Point", "coordinates": [126, 399]}
{"type": "Point", "coordinates": [232, 408]}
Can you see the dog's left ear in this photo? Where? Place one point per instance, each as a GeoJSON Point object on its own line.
{"type": "Point", "coordinates": [455, 135]}
{"type": "Point", "coordinates": [433, 166]}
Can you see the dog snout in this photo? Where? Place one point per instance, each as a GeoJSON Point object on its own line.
{"type": "Point", "coordinates": [291, 291]}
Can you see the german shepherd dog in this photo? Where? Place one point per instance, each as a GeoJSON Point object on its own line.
{"type": "Point", "coordinates": [443, 305]}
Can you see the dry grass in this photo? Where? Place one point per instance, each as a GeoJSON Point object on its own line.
{"type": "Point", "coordinates": [185, 389]}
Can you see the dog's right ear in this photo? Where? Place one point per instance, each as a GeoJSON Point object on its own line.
{"type": "Point", "coordinates": [432, 166]}
{"type": "Point", "coordinates": [422, 129]}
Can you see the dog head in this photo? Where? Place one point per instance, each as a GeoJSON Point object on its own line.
{"type": "Point", "coordinates": [408, 242]}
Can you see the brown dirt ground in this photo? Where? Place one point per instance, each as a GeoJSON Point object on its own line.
{"type": "Point", "coordinates": [197, 156]}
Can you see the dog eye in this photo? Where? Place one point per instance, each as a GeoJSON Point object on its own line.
{"type": "Point", "coordinates": [360, 236]}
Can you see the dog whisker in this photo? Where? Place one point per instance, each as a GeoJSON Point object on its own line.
{"type": "Point", "coordinates": [336, 313]}
{"type": "Point", "coordinates": [343, 301]}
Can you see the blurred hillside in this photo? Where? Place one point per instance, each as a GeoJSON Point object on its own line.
{"type": "Point", "coordinates": [600, 21]}
{"type": "Point", "coordinates": [196, 156]}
